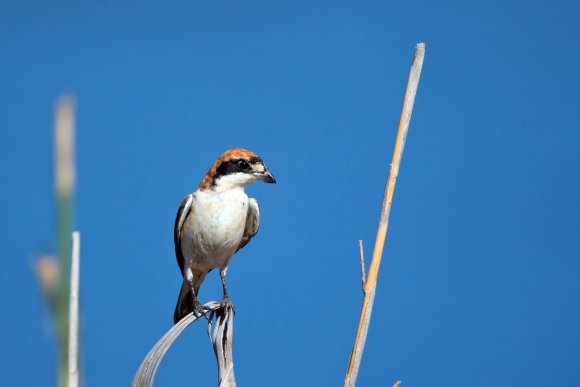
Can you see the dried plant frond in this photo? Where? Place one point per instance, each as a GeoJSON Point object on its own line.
{"type": "Point", "coordinates": [145, 375]}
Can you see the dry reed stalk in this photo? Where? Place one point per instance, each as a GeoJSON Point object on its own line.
{"type": "Point", "coordinates": [371, 280]}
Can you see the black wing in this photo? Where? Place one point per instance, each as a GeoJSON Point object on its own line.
{"type": "Point", "coordinates": [252, 222]}
{"type": "Point", "coordinates": [182, 214]}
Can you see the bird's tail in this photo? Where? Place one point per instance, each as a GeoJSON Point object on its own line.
{"type": "Point", "coordinates": [184, 303]}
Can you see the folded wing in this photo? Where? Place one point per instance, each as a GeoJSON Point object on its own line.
{"type": "Point", "coordinates": [252, 222]}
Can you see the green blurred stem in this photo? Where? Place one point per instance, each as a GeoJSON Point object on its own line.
{"type": "Point", "coordinates": [64, 227]}
{"type": "Point", "coordinates": [64, 139]}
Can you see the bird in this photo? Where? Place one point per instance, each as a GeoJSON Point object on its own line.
{"type": "Point", "coordinates": [215, 222]}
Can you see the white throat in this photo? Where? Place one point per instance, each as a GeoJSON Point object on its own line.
{"type": "Point", "coordinates": [234, 180]}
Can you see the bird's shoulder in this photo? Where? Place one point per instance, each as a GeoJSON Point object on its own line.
{"type": "Point", "coordinates": [184, 209]}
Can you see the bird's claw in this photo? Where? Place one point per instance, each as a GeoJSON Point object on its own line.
{"type": "Point", "coordinates": [199, 309]}
{"type": "Point", "coordinates": [227, 303]}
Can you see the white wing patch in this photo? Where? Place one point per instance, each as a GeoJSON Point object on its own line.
{"type": "Point", "coordinates": [185, 212]}
{"type": "Point", "coordinates": [182, 214]}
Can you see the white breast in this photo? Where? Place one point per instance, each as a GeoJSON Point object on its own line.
{"type": "Point", "coordinates": [214, 228]}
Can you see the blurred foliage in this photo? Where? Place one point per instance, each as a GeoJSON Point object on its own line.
{"type": "Point", "coordinates": [53, 272]}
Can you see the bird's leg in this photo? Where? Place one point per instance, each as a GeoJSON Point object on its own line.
{"type": "Point", "coordinates": [226, 302]}
{"type": "Point", "coordinates": [198, 308]}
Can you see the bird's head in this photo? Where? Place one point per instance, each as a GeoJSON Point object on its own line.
{"type": "Point", "coordinates": [236, 168]}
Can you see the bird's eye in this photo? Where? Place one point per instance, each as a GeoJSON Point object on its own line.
{"type": "Point", "coordinates": [243, 164]}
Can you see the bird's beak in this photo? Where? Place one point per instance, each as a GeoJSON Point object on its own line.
{"type": "Point", "coordinates": [266, 177]}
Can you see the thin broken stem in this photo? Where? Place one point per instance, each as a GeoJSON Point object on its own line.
{"type": "Point", "coordinates": [371, 281]}
{"type": "Point", "coordinates": [362, 264]}
{"type": "Point", "coordinates": [73, 317]}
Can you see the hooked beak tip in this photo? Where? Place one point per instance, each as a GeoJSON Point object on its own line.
{"type": "Point", "coordinates": [266, 177]}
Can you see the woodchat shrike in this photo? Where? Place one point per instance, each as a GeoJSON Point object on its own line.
{"type": "Point", "coordinates": [216, 221]}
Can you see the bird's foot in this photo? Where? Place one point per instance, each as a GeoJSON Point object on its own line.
{"type": "Point", "coordinates": [227, 303]}
{"type": "Point", "coordinates": [199, 309]}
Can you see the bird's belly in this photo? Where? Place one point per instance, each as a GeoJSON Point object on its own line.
{"type": "Point", "coordinates": [214, 231]}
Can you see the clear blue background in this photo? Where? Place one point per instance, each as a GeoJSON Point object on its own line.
{"type": "Point", "coordinates": [480, 281]}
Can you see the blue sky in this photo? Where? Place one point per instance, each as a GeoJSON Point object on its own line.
{"type": "Point", "coordinates": [480, 281]}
